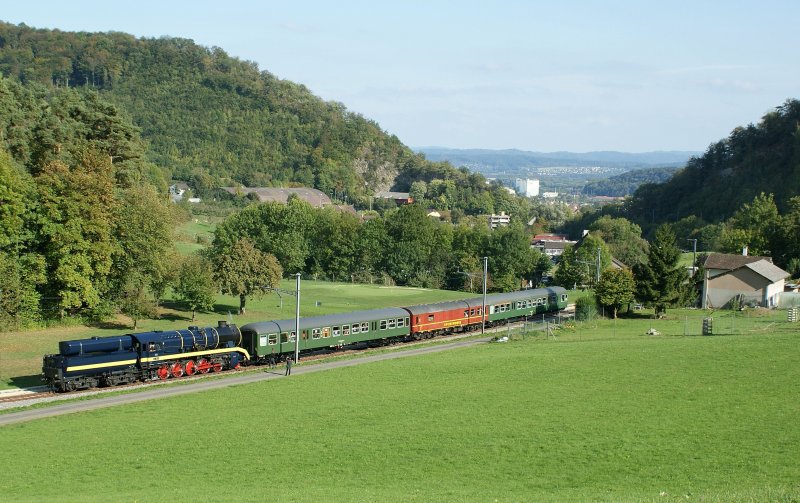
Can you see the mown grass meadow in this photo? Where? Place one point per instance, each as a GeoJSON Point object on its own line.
{"type": "Point", "coordinates": [618, 417]}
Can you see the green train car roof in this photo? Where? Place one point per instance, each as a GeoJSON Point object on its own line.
{"type": "Point", "coordinates": [327, 320]}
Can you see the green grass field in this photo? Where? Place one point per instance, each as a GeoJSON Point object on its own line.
{"type": "Point", "coordinates": [21, 352]}
{"type": "Point", "coordinates": [596, 413]}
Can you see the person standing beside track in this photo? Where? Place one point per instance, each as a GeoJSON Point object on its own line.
{"type": "Point", "coordinates": [289, 366]}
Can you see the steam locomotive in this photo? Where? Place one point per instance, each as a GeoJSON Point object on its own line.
{"type": "Point", "coordinates": [109, 361]}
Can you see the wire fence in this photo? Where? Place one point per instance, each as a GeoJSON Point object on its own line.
{"type": "Point", "coordinates": [677, 323]}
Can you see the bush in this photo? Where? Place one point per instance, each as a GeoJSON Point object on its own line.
{"type": "Point", "coordinates": [585, 308]}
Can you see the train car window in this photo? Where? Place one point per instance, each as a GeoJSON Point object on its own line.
{"type": "Point", "coordinates": [284, 337]}
{"type": "Point", "coordinates": [401, 322]}
{"type": "Point", "coordinates": [293, 337]}
{"type": "Point", "coordinates": [478, 311]}
{"type": "Point", "coordinates": [563, 297]}
{"type": "Point", "coordinates": [408, 322]}
{"type": "Point", "coordinates": [273, 339]}
{"type": "Point", "coordinates": [383, 324]}
{"type": "Point", "coordinates": [336, 331]}
{"type": "Point", "coordinates": [364, 327]}
{"type": "Point", "coordinates": [326, 332]}
{"type": "Point", "coordinates": [356, 328]}
{"type": "Point", "coordinates": [262, 340]}
{"type": "Point", "coordinates": [492, 309]}
{"type": "Point", "coordinates": [472, 312]}
{"type": "Point", "coordinates": [466, 313]}
{"type": "Point", "coordinates": [430, 317]}
{"type": "Point", "coordinates": [316, 333]}
{"type": "Point", "coordinates": [345, 329]}
{"type": "Point", "coordinates": [304, 335]}
{"type": "Point", "coordinates": [391, 324]}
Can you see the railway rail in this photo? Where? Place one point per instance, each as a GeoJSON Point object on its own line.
{"type": "Point", "coordinates": [149, 390]}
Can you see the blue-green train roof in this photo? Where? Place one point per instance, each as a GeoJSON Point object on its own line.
{"type": "Point", "coordinates": [327, 320]}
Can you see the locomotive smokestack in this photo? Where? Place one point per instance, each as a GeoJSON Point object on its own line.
{"type": "Point", "coordinates": [222, 324]}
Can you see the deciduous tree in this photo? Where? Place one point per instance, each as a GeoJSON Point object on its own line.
{"type": "Point", "coordinates": [244, 270]}
{"type": "Point", "coordinates": [616, 288]}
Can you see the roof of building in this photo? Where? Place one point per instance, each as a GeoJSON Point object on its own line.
{"type": "Point", "coordinates": [314, 197]}
{"type": "Point", "coordinates": [729, 262]}
{"type": "Point", "coordinates": [550, 237]}
{"type": "Point", "coordinates": [555, 245]}
{"type": "Point", "coordinates": [392, 195]}
{"type": "Point", "coordinates": [768, 270]}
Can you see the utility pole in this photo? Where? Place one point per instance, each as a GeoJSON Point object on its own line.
{"type": "Point", "coordinates": [597, 278]}
{"type": "Point", "coordinates": [297, 319]}
{"type": "Point", "coordinates": [694, 259]}
{"type": "Point", "coordinates": [483, 309]}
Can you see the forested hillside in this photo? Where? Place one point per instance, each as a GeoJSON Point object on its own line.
{"type": "Point", "coordinates": [207, 114]}
{"type": "Point", "coordinates": [627, 183]}
{"type": "Point", "coordinates": [758, 158]}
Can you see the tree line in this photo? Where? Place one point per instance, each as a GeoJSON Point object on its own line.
{"type": "Point", "coordinates": [84, 224]}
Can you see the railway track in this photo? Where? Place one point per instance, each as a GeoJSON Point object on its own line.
{"type": "Point", "coordinates": [26, 398]}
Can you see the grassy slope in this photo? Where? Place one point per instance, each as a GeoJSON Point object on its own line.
{"type": "Point", "coordinates": [21, 352]}
{"type": "Point", "coordinates": [614, 417]}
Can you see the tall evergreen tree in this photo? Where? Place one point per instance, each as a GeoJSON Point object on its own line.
{"type": "Point", "coordinates": [661, 282]}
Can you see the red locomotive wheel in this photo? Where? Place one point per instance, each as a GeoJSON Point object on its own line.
{"type": "Point", "coordinates": [203, 366]}
{"type": "Point", "coordinates": [217, 367]}
{"type": "Point", "coordinates": [176, 370]}
{"type": "Point", "coordinates": [162, 372]}
{"type": "Point", "coordinates": [191, 368]}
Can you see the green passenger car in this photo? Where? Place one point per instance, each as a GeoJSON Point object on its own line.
{"type": "Point", "coordinates": [265, 339]}
{"type": "Point", "coordinates": [503, 306]}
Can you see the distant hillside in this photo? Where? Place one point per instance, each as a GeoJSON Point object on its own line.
{"type": "Point", "coordinates": [520, 160]}
{"type": "Point", "coordinates": [753, 159]}
{"type": "Point", "coordinates": [626, 183]}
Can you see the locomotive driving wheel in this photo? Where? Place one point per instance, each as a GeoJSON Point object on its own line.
{"type": "Point", "coordinates": [203, 366]}
{"type": "Point", "coordinates": [176, 370]}
{"type": "Point", "coordinates": [162, 372]}
{"type": "Point", "coordinates": [217, 367]}
{"type": "Point", "coordinates": [191, 367]}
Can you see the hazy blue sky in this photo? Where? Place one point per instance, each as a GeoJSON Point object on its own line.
{"type": "Point", "coordinates": [537, 75]}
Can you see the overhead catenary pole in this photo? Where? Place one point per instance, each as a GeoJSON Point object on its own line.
{"type": "Point", "coordinates": [483, 309]}
{"type": "Point", "coordinates": [597, 278]}
{"type": "Point", "coordinates": [297, 319]}
{"type": "Point", "coordinates": [694, 254]}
